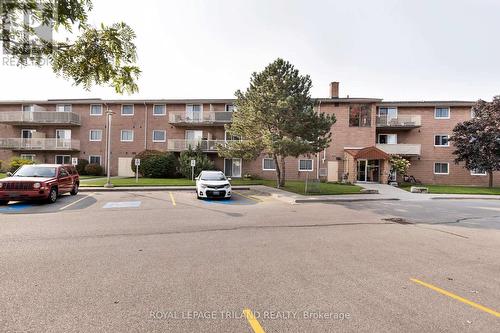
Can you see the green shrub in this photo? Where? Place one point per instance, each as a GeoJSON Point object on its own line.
{"type": "Point", "coordinates": [143, 155]}
{"type": "Point", "coordinates": [80, 167]}
{"type": "Point", "coordinates": [1, 162]}
{"type": "Point", "coordinates": [159, 166]}
{"type": "Point", "coordinates": [16, 163]}
{"type": "Point", "coordinates": [93, 170]}
{"type": "Point", "coordinates": [202, 162]}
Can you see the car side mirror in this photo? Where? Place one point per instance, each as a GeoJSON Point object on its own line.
{"type": "Point", "coordinates": [9, 174]}
{"type": "Point", "coordinates": [229, 178]}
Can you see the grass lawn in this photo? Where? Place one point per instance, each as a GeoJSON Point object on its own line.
{"type": "Point", "coordinates": [90, 177]}
{"type": "Point", "coordinates": [456, 189]}
{"type": "Point", "coordinates": [291, 186]}
{"type": "Point", "coordinates": [2, 175]}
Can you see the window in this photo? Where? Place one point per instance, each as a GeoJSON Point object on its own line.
{"type": "Point", "coordinates": [194, 112]}
{"type": "Point", "coordinates": [442, 113]}
{"type": "Point", "coordinates": [441, 140]}
{"type": "Point", "coordinates": [95, 135]}
{"type": "Point", "coordinates": [127, 110]}
{"type": "Point", "coordinates": [96, 110]}
{"type": "Point", "coordinates": [229, 137]}
{"type": "Point", "coordinates": [30, 157]}
{"type": "Point", "coordinates": [477, 172]}
{"type": "Point", "coordinates": [63, 173]}
{"type": "Point", "coordinates": [391, 139]}
{"type": "Point", "coordinates": [472, 113]}
{"type": "Point", "coordinates": [229, 108]}
{"type": "Point", "coordinates": [95, 159]}
{"type": "Point", "coordinates": [159, 136]}
{"type": "Point", "coordinates": [306, 165]}
{"type": "Point", "coordinates": [28, 107]}
{"type": "Point", "coordinates": [159, 110]}
{"type": "Point", "coordinates": [63, 159]}
{"type": "Point", "coordinates": [359, 116]}
{"type": "Point", "coordinates": [268, 164]}
{"type": "Point", "coordinates": [441, 168]}
{"type": "Point", "coordinates": [63, 108]}
{"type": "Point", "coordinates": [127, 135]}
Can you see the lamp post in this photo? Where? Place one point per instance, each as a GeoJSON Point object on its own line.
{"type": "Point", "coordinates": [108, 184]}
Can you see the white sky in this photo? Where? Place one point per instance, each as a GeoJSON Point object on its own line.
{"type": "Point", "coordinates": [391, 49]}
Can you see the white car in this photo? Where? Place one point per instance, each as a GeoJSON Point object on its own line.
{"type": "Point", "coordinates": [213, 184]}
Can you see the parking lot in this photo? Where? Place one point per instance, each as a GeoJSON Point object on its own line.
{"type": "Point", "coordinates": [165, 261]}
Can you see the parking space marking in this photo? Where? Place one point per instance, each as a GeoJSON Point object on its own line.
{"type": "Point", "coordinates": [248, 197]}
{"type": "Point", "coordinates": [122, 204]}
{"type": "Point", "coordinates": [77, 201]}
{"type": "Point", "coordinates": [254, 323]}
{"type": "Point", "coordinates": [172, 198]}
{"type": "Point", "coordinates": [16, 207]}
{"type": "Point", "coordinates": [458, 298]}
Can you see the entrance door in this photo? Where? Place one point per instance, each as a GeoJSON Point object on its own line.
{"type": "Point", "coordinates": [193, 138]}
{"type": "Point", "coordinates": [232, 167]}
{"type": "Point", "coordinates": [333, 171]}
{"type": "Point", "coordinates": [373, 171]}
{"type": "Point", "coordinates": [362, 170]}
{"type": "Point", "coordinates": [124, 167]}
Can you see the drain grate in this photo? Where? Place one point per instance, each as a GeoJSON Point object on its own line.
{"type": "Point", "coordinates": [398, 220]}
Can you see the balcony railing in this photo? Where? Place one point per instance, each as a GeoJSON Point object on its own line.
{"type": "Point", "coordinates": [40, 117]}
{"type": "Point", "coordinates": [401, 121]}
{"type": "Point", "coordinates": [204, 118]}
{"type": "Point", "coordinates": [402, 149]}
{"type": "Point", "coordinates": [205, 145]}
{"type": "Point", "coordinates": [40, 144]}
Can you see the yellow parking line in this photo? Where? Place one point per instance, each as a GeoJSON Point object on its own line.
{"type": "Point", "coordinates": [172, 198]}
{"type": "Point", "coordinates": [458, 298]}
{"type": "Point", "coordinates": [254, 323]}
{"type": "Point", "coordinates": [248, 197]}
{"type": "Point", "coordinates": [75, 202]}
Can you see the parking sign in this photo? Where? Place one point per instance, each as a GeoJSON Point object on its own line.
{"type": "Point", "coordinates": [137, 161]}
{"type": "Point", "coordinates": [193, 163]}
{"type": "Point", "coordinates": [74, 160]}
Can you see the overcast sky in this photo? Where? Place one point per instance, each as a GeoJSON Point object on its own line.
{"type": "Point", "coordinates": [391, 49]}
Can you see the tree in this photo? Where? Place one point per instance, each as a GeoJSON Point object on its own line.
{"type": "Point", "coordinates": [202, 162]}
{"type": "Point", "coordinates": [399, 164]}
{"type": "Point", "coordinates": [275, 115]}
{"type": "Point", "coordinates": [477, 141]}
{"type": "Point", "coordinates": [104, 55]}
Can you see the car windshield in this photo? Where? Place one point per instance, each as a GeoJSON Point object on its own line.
{"type": "Point", "coordinates": [212, 176]}
{"type": "Point", "coordinates": [35, 171]}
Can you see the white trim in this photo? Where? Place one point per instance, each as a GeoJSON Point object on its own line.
{"type": "Point", "coordinates": [378, 138]}
{"type": "Point", "coordinates": [226, 105]}
{"type": "Point", "coordinates": [201, 109]}
{"type": "Point", "coordinates": [128, 115]}
{"type": "Point", "coordinates": [65, 130]}
{"type": "Point", "coordinates": [100, 159]}
{"type": "Point", "coordinates": [447, 142]}
{"type": "Point", "coordinates": [441, 173]}
{"type": "Point", "coordinates": [95, 114]}
{"type": "Point", "coordinates": [306, 159]}
{"type": "Point", "coordinates": [121, 135]}
{"type": "Point", "coordinates": [153, 135]}
{"type": "Point", "coordinates": [55, 159]}
{"type": "Point", "coordinates": [472, 173]}
{"type": "Point", "coordinates": [442, 107]}
{"type": "Point", "coordinates": [160, 114]}
{"type": "Point", "coordinates": [90, 135]}
{"type": "Point", "coordinates": [268, 158]}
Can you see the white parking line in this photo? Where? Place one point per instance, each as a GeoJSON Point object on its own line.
{"type": "Point", "coordinates": [77, 201]}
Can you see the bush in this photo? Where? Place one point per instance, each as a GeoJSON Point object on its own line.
{"type": "Point", "coordinates": [202, 162]}
{"type": "Point", "coordinates": [156, 164]}
{"type": "Point", "coordinates": [93, 169]}
{"type": "Point", "coordinates": [80, 167]}
{"type": "Point", "coordinates": [16, 163]}
{"type": "Point", "coordinates": [159, 166]}
{"type": "Point", "coordinates": [1, 162]}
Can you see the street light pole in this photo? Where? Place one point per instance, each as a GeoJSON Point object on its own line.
{"type": "Point", "coordinates": [108, 184]}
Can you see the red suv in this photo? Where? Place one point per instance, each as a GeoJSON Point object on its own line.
{"type": "Point", "coordinates": [39, 181]}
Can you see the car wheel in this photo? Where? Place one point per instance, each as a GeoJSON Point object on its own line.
{"type": "Point", "coordinates": [3, 202]}
{"type": "Point", "coordinates": [52, 195]}
{"type": "Point", "coordinates": [74, 191]}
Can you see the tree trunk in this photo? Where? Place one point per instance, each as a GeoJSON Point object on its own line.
{"type": "Point", "coordinates": [282, 180]}
{"type": "Point", "coordinates": [490, 180]}
{"type": "Point", "coordinates": [278, 171]}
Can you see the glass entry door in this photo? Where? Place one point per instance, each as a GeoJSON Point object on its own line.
{"type": "Point", "coordinates": [362, 170]}
{"type": "Point", "coordinates": [232, 167]}
{"type": "Point", "coordinates": [368, 171]}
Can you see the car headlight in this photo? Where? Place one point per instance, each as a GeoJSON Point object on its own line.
{"type": "Point", "coordinates": [37, 185]}
{"type": "Point", "coordinates": [227, 186]}
{"type": "Point", "coordinates": [1, 185]}
{"type": "Point", "coordinates": [203, 186]}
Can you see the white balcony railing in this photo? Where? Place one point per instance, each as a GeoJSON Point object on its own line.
{"type": "Point", "coordinates": [39, 117]}
{"type": "Point", "coordinates": [402, 149]}
{"type": "Point", "coordinates": [205, 145]}
{"type": "Point", "coordinates": [39, 144]}
{"type": "Point", "coordinates": [206, 117]}
{"type": "Point", "coordinates": [399, 121]}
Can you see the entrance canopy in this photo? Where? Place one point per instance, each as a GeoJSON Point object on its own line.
{"type": "Point", "coordinates": [368, 153]}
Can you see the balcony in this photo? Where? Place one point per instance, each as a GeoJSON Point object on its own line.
{"type": "Point", "coordinates": [178, 145]}
{"type": "Point", "coordinates": [402, 149]}
{"type": "Point", "coordinates": [39, 118]}
{"type": "Point", "coordinates": [208, 118]}
{"type": "Point", "coordinates": [399, 122]}
{"type": "Point", "coordinates": [40, 144]}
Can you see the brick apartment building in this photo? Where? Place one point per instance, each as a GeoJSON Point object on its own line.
{"type": "Point", "coordinates": [367, 132]}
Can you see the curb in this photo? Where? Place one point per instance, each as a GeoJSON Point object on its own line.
{"type": "Point", "coordinates": [342, 200]}
{"type": "Point", "coordinates": [464, 198]}
{"type": "Point", "coordinates": [146, 189]}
